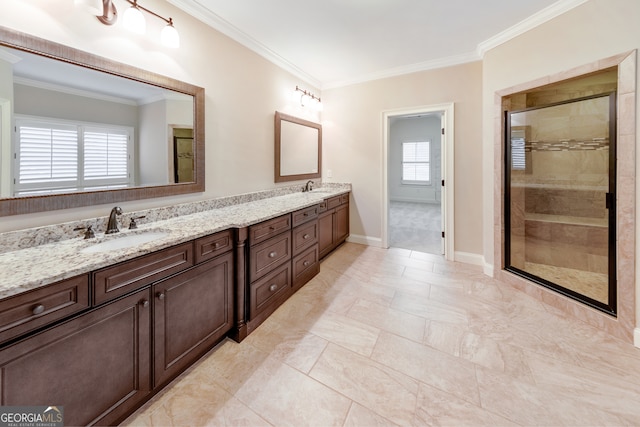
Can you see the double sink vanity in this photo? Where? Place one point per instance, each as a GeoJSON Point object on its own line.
{"type": "Point", "coordinates": [100, 325]}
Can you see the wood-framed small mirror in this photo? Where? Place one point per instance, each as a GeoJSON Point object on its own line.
{"type": "Point", "coordinates": [298, 148]}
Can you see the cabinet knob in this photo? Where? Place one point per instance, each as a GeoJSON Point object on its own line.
{"type": "Point", "coordinates": [144, 303]}
{"type": "Point", "coordinates": [306, 263]}
{"type": "Point", "coordinates": [306, 236]}
{"type": "Point", "coordinates": [38, 309]}
{"type": "Point", "coordinates": [160, 295]}
{"type": "Point", "coordinates": [216, 245]}
{"type": "Point", "coordinates": [306, 214]}
{"type": "Point", "coordinates": [272, 254]}
{"type": "Point", "coordinates": [273, 287]}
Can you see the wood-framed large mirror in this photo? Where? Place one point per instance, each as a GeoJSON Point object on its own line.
{"type": "Point", "coordinates": [298, 148]}
{"type": "Point", "coordinates": [108, 95]}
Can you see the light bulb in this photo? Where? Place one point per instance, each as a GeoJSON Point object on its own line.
{"type": "Point", "coordinates": [169, 36]}
{"type": "Point", "coordinates": [133, 20]}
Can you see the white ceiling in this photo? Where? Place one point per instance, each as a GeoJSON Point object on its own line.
{"type": "Point", "coordinates": [337, 42]}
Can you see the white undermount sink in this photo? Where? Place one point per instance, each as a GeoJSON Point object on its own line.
{"type": "Point", "coordinates": [124, 241]}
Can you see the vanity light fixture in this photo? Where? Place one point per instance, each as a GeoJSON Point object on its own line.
{"type": "Point", "coordinates": [308, 99]}
{"type": "Point", "coordinates": [133, 19]}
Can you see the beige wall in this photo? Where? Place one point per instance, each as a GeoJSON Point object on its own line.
{"type": "Point", "coordinates": [353, 143]}
{"type": "Point", "coordinates": [243, 90]}
{"type": "Point", "coordinates": [592, 31]}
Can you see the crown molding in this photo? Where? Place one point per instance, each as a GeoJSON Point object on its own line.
{"type": "Point", "coordinates": [198, 11]}
{"type": "Point", "coordinates": [539, 18]}
{"type": "Point", "coordinates": [408, 69]}
{"type": "Point", "coordinates": [7, 56]}
{"type": "Point", "coordinates": [71, 91]}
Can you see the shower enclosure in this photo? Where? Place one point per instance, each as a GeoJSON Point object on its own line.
{"type": "Point", "coordinates": [560, 198]}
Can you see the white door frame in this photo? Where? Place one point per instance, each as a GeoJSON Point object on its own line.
{"type": "Point", "coordinates": [448, 198]}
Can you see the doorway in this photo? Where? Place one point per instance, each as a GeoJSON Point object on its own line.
{"type": "Point", "coordinates": [418, 180]}
{"type": "Point", "coordinates": [415, 176]}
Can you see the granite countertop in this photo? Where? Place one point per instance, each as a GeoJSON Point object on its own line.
{"type": "Point", "coordinates": [33, 267]}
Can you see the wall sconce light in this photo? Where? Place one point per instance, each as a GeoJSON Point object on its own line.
{"type": "Point", "coordinates": [307, 99]}
{"type": "Point", "coordinates": [132, 19]}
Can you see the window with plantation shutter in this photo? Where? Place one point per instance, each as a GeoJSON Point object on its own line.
{"type": "Point", "coordinates": [59, 156]}
{"type": "Point", "coordinates": [106, 156]}
{"type": "Point", "coordinates": [416, 168]}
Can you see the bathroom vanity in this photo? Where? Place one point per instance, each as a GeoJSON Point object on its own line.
{"type": "Point", "coordinates": [128, 321]}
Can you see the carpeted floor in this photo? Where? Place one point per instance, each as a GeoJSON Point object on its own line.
{"type": "Point", "coordinates": [415, 226]}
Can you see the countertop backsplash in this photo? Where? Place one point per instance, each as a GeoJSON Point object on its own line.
{"type": "Point", "coordinates": [31, 237]}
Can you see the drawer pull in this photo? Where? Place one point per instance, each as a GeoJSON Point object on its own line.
{"type": "Point", "coordinates": [38, 309]}
{"type": "Point", "coordinates": [272, 254]}
{"type": "Point", "coordinates": [306, 263]}
{"type": "Point", "coordinates": [306, 214]}
{"type": "Point", "coordinates": [216, 245]}
{"type": "Point", "coordinates": [272, 288]}
{"type": "Point", "coordinates": [271, 227]}
{"type": "Point", "coordinates": [144, 303]}
{"type": "Point", "coordinates": [160, 295]}
{"type": "Point", "coordinates": [306, 236]}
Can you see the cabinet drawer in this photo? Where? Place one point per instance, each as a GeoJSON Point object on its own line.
{"type": "Point", "coordinates": [305, 266]}
{"type": "Point", "coordinates": [31, 310]}
{"type": "Point", "coordinates": [211, 246]}
{"type": "Point", "coordinates": [333, 202]}
{"type": "Point", "coordinates": [303, 215]}
{"type": "Point", "coordinates": [266, 255]}
{"type": "Point", "coordinates": [270, 289]}
{"type": "Point", "coordinates": [263, 231]}
{"type": "Point", "coordinates": [305, 236]}
{"type": "Point", "coordinates": [119, 279]}
{"type": "Point", "coordinates": [344, 198]}
{"type": "Point", "coordinates": [322, 207]}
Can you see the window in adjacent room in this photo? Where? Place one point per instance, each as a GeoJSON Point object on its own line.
{"type": "Point", "coordinates": [416, 166]}
{"type": "Point", "coordinates": [58, 156]}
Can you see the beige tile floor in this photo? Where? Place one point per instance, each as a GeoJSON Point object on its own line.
{"type": "Point", "coordinates": [396, 337]}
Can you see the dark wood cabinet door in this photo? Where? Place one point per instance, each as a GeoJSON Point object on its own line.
{"type": "Point", "coordinates": [341, 224]}
{"type": "Point", "coordinates": [325, 232]}
{"type": "Point", "coordinates": [192, 311]}
{"type": "Point", "coordinates": [97, 366]}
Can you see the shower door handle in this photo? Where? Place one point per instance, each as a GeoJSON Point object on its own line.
{"type": "Point", "coordinates": [609, 200]}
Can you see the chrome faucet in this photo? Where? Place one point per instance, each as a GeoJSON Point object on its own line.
{"type": "Point", "coordinates": [112, 225]}
{"type": "Point", "coordinates": [308, 186]}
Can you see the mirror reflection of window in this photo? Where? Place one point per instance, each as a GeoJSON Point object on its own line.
{"type": "Point", "coordinates": [54, 156]}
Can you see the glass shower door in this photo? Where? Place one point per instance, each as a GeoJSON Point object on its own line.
{"type": "Point", "coordinates": [560, 198]}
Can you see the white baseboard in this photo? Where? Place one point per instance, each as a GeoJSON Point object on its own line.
{"type": "Point", "coordinates": [636, 337]}
{"type": "Point", "coordinates": [365, 240]}
{"type": "Point", "coordinates": [488, 269]}
{"type": "Point", "coordinates": [468, 258]}
{"type": "Point", "coordinates": [410, 200]}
